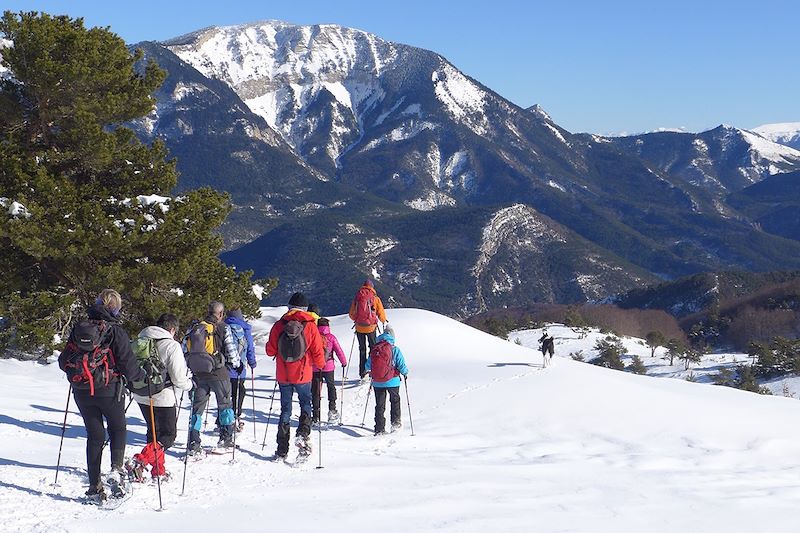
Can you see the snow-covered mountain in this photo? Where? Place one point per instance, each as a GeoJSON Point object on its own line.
{"type": "Point", "coordinates": [785, 133]}
{"type": "Point", "coordinates": [721, 160]}
{"type": "Point", "coordinates": [499, 444]}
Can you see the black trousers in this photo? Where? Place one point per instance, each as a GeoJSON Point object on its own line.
{"type": "Point", "coordinates": [238, 392]}
{"type": "Point", "coordinates": [363, 340]}
{"type": "Point", "coordinates": [316, 385]}
{"type": "Point", "coordinates": [94, 409]}
{"type": "Point", "coordinates": [166, 424]}
{"type": "Point", "coordinates": [380, 406]}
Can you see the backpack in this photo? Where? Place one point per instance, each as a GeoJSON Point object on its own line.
{"type": "Point", "coordinates": [237, 331]}
{"type": "Point", "coordinates": [88, 359]}
{"type": "Point", "coordinates": [364, 312]}
{"type": "Point", "coordinates": [202, 355]}
{"type": "Point", "coordinates": [381, 362]}
{"type": "Point", "coordinates": [146, 352]}
{"type": "Point", "coordinates": [292, 341]}
{"type": "Point", "coordinates": [328, 346]}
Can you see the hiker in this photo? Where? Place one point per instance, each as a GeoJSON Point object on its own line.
{"type": "Point", "coordinates": [314, 311]}
{"type": "Point", "coordinates": [211, 353]}
{"type": "Point", "coordinates": [165, 403]}
{"type": "Point", "coordinates": [243, 339]}
{"type": "Point", "coordinates": [98, 389]}
{"type": "Point", "coordinates": [548, 347]}
{"type": "Point", "coordinates": [386, 364]}
{"type": "Point", "coordinates": [365, 311]}
{"type": "Point", "coordinates": [296, 345]}
{"type": "Point", "coordinates": [331, 347]}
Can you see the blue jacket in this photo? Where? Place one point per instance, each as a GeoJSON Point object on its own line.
{"type": "Point", "coordinates": [251, 349]}
{"type": "Point", "coordinates": [397, 358]}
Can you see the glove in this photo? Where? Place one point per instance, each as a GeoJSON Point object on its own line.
{"type": "Point", "coordinates": [240, 368]}
{"type": "Point", "coordinates": [252, 366]}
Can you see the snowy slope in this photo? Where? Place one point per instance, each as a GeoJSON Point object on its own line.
{"type": "Point", "coordinates": [500, 445]}
{"type": "Point", "coordinates": [786, 133]}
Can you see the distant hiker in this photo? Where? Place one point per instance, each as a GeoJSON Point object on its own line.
{"type": "Point", "coordinates": [243, 339]}
{"type": "Point", "coordinates": [211, 352]}
{"type": "Point", "coordinates": [313, 310]}
{"type": "Point", "coordinates": [548, 348]}
{"type": "Point", "coordinates": [97, 387]}
{"type": "Point", "coordinates": [385, 365]}
{"type": "Point", "coordinates": [296, 345]}
{"type": "Point", "coordinates": [331, 347]}
{"type": "Point", "coordinates": [365, 311]}
{"type": "Point", "coordinates": [170, 354]}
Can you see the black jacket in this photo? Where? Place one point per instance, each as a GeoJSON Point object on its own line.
{"type": "Point", "coordinates": [126, 363]}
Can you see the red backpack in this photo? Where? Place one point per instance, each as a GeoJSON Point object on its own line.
{"type": "Point", "coordinates": [381, 362]}
{"type": "Point", "coordinates": [364, 312]}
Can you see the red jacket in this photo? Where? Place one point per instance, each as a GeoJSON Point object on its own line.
{"type": "Point", "coordinates": [298, 371]}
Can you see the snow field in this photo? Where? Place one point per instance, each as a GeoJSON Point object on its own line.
{"type": "Point", "coordinates": [500, 444]}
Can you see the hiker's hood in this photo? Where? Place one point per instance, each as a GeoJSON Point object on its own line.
{"type": "Point", "coordinates": [155, 332]}
{"type": "Point", "coordinates": [385, 337]}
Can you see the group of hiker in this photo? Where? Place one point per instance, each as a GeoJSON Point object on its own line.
{"type": "Point", "coordinates": [101, 362]}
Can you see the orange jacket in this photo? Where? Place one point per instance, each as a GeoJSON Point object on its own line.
{"type": "Point", "coordinates": [377, 305]}
{"type": "Point", "coordinates": [298, 371]}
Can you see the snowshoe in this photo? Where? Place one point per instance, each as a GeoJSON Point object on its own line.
{"type": "Point", "coordinates": [136, 470]}
{"type": "Point", "coordinates": [333, 416]}
{"type": "Point", "coordinates": [118, 483]}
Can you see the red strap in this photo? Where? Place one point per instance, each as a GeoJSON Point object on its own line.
{"type": "Point", "coordinates": [91, 377]}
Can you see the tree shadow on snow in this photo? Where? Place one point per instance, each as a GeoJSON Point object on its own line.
{"type": "Point", "coordinates": [68, 469]}
{"type": "Point", "coordinates": [35, 492]}
{"type": "Point", "coordinates": [44, 426]}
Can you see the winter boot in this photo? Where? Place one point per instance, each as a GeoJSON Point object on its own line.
{"type": "Point", "coordinates": [97, 493]}
{"type": "Point", "coordinates": [333, 416]}
{"type": "Point", "coordinates": [117, 481]}
{"type": "Point", "coordinates": [303, 445]}
{"type": "Point", "coordinates": [283, 440]}
{"type": "Point", "coordinates": [135, 469]}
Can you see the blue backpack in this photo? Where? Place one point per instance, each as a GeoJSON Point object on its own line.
{"type": "Point", "coordinates": [239, 339]}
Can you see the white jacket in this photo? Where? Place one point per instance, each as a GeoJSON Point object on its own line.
{"type": "Point", "coordinates": [172, 355]}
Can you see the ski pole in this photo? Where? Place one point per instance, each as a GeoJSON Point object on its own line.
{"type": "Point", "coordinates": [253, 394]}
{"type": "Point", "coordinates": [364, 418]}
{"type": "Point", "coordinates": [63, 430]}
{"type": "Point", "coordinates": [186, 455]}
{"type": "Point", "coordinates": [341, 409]}
{"type": "Point", "coordinates": [408, 401]}
{"type": "Point", "coordinates": [269, 416]}
{"type": "Point", "coordinates": [205, 420]}
{"type": "Point", "coordinates": [155, 442]}
{"type": "Point", "coordinates": [319, 423]}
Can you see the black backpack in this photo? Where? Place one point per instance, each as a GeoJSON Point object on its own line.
{"type": "Point", "coordinates": [88, 360]}
{"type": "Point", "coordinates": [292, 341]}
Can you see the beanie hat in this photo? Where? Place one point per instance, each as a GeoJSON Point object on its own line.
{"type": "Point", "coordinates": [389, 330]}
{"type": "Point", "coordinates": [368, 283]}
{"type": "Point", "coordinates": [313, 308]}
{"type": "Point", "coordinates": [236, 313]}
{"type": "Point", "coordinates": [323, 321]}
{"type": "Point", "coordinates": [298, 300]}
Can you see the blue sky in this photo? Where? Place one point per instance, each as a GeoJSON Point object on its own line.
{"type": "Point", "coordinates": [599, 66]}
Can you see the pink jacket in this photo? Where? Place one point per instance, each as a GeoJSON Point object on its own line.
{"type": "Point", "coordinates": [333, 342]}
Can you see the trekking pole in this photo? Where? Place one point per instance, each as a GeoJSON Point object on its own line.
{"type": "Point", "coordinates": [253, 394]}
{"type": "Point", "coordinates": [186, 455]}
{"type": "Point", "coordinates": [205, 419]}
{"type": "Point", "coordinates": [364, 418]}
{"type": "Point", "coordinates": [269, 416]}
{"type": "Point", "coordinates": [408, 401]}
{"type": "Point", "coordinates": [155, 442]}
{"type": "Point", "coordinates": [235, 427]}
{"type": "Point", "coordinates": [341, 393]}
{"type": "Point", "coordinates": [63, 430]}
{"type": "Point", "coordinates": [319, 423]}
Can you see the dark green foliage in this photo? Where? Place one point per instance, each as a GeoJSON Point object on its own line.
{"type": "Point", "coordinates": [637, 366]}
{"type": "Point", "coordinates": [675, 348]}
{"type": "Point", "coordinates": [65, 158]}
{"type": "Point", "coordinates": [690, 356]}
{"type": "Point", "coordinates": [743, 377]}
{"type": "Point", "coordinates": [777, 358]}
{"type": "Point", "coordinates": [655, 339]}
{"type": "Point", "coordinates": [609, 352]}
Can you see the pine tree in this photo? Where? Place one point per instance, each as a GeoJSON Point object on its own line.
{"type": "Point", "coordinates": [97, 211]}
{"type": "Point", "coordinates": [637, 365]}
{"type": "Point", "coordinates": [655, 339]}
{"type": "Point", "coordinates": [609, 353]}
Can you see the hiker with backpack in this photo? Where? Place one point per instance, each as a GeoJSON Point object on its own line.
{"type": "Point", "coordinates": [211, 352]}
{"type": "Point", "coordinates": [385, 366]}
{"type": "Point", "coordinates": [97, 359]}
{"type": "Point", "coordinates": [296, 345]}
{"type": "Point", "coordinates": [243, 339]}
{"type": "Point", "coordinates": [365, 311]}
{"type": "Point", "coordinates": [331, 347]}
{"type": "Point", "coordinates": [162, 358]}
